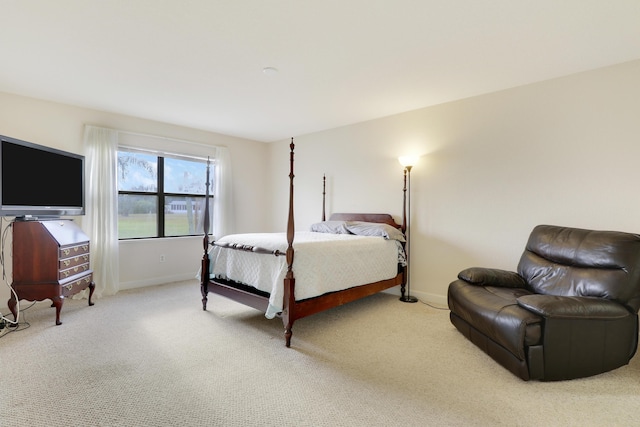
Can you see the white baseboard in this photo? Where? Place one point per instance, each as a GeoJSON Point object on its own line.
{"type": "Point", "coordinates": [156, 281]}
{"type": "Point", "coordinates": [439, 300]}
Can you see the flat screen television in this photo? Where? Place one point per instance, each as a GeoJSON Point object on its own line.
{"type": "Point", "coordinates": [38, 181]}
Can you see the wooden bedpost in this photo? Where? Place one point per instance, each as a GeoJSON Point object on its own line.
{"type": "Point", "coordinates": [288, 316]}
{"type": "Point", "coordinates": [204, 269]}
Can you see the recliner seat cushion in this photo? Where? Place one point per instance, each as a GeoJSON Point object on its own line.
{"type": "Point", "coordinates": [495, 312]}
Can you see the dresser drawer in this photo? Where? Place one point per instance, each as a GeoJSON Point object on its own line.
{"type": "Point", "coordinates": [76, 285]}
{"type": "Point", "coordinates": [71, 251]}
{"type": "Point", "coordinates": [63, 264]}
{"type": "Point", "coordinates": [77, 269]}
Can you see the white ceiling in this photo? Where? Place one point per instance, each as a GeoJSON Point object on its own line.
{"type": "Point", "coordinates": [198, 63]}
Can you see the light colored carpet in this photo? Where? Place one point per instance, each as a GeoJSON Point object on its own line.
{"type": "Point", "coordinates": [153, 357]}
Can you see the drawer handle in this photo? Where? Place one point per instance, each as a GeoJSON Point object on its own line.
{"type": "Point", "coordinates": [66, 262]}
{"type": "Point", "coordinates": [78, 282]}
{"type": "Point", "coordinates": [66, 251]}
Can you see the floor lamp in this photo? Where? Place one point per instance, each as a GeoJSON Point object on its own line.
{"type": "Point", "coordinates": [408, 162]}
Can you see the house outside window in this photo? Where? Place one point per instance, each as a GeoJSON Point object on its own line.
{"type": "Point", "coordinates": [161, 195]}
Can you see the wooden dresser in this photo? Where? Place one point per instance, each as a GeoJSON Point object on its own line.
{"type": "Point", "coordinates": [50, 261]}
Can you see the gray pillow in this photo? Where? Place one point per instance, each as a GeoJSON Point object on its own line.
{"type": "Point", "coordinates": [333, 227]}
{"type": "Point", "coordinates": [387, 231]}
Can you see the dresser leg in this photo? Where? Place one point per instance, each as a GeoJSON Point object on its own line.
{"type": "Point", "coordinates": [12, 307]}
{"type": "Point", "coordinates": [92, 287]}
{"type": "Point", "coordinates": [57, 303]}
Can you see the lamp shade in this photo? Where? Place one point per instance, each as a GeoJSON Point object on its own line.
{"type": "Point", "coordinates": [408, 161]}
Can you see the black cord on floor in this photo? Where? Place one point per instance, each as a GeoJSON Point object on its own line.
{"type": "Point", "coordinates": [21, 326]}
{"type": "Point", "coordinates": [433, 306]}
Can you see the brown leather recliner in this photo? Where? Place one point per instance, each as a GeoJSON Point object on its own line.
{"type": "Point", "coordinates": [570, 311]}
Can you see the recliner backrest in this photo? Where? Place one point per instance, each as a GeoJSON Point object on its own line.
{"type": "Point", "coordinates": [577, 262]}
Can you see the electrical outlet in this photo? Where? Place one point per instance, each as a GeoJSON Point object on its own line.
{"type": "Point", "coordinates": [162, 258]}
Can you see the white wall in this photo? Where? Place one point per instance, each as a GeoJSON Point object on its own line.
{"type": "Point", "coordinates": [563, 152]}
{"type": "Point", "coordinates": [62, 126]}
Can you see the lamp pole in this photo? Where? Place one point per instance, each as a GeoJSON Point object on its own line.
{"type": "Point", "coordinates": [407, 297]}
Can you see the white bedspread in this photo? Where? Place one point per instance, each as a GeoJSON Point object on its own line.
{"type": "Point", "coordinates": [322, 263]}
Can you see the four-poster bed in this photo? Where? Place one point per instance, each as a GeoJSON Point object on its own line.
{"type": "Point", "coordinates": [245, 253]}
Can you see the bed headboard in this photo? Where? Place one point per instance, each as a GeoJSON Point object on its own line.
{"type": "Point", "coordinates": [368, 217]}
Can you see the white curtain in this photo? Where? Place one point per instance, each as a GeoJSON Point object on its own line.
{"type": "Point", "coordinates": [101, 219]}
{"type": "Point", "coordinates": [223, 213]}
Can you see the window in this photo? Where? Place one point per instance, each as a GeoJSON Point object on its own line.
{"type": "Point", "coordinates": [161, 195]}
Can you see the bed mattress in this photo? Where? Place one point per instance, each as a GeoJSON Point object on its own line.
{"type": "Point", "coordinates": [322, 263]}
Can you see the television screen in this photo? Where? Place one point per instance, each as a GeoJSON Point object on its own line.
{"type": "Point", "coordinates": [37, 181]}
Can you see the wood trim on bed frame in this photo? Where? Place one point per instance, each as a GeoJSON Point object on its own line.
{"type": "Point", "coordinates": [292, 309]}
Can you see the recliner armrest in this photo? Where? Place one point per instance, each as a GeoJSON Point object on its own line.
{"type": "Point", "coordinates": [492, 277]}
{"type": "Point", "coordinates": [567, 307]}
